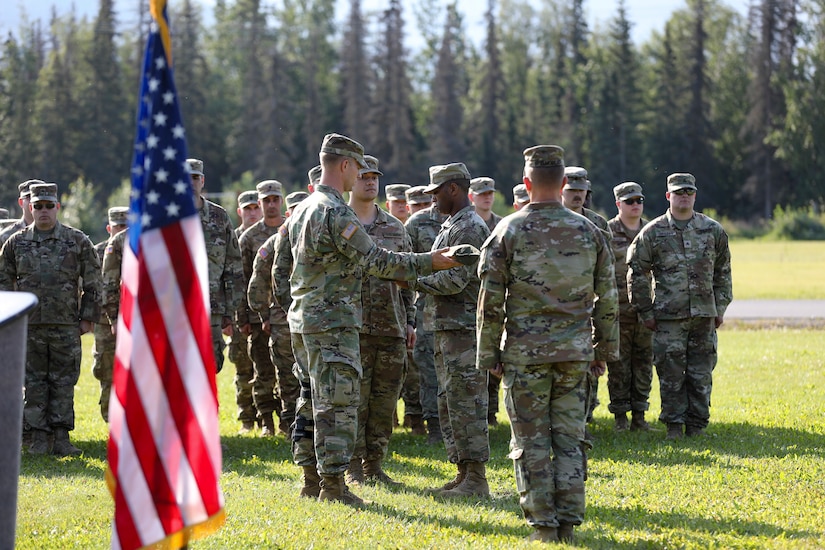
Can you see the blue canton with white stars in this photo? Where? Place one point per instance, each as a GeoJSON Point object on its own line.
{"type": "Point", "coordinates": [161, 188]}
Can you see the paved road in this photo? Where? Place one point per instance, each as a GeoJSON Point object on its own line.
{"type": "Point", "coordinates": [776, 309]}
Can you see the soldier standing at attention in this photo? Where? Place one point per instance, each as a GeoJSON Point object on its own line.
{"type": "Point", "coordinates": [52, 260]}
{"type": "Point", "coordinates": [103, 352]}
{"type": "Point", "coordinates": [249, 212]}
{"type": "Point", "coordinates": [271, 379]}
{"type": "Point", "coordinates": [397, 201]}
{"type": "Point", "coordinates": [224, 256]}
{"type": "Point", "coordinates": [387, 331]}
{"type": "Point", "coordinates": [330, 251]}
{"type": "Point", "coordinates": [548, 346]}
{"type": "Point", "coordinates": [520, 196]}
{"type": "Point", "coordinates": [482, 195]}
{"type": "Point", "coordinates": [688, 256]}
{"type": "Point", "coordinates": [629, 378]}
{"type": "Point", "coordinates": [462, 394]}
{"type": "Point", "coordinates": [26, 219]}
{"type": "Point", "coordinates": [423, 227]}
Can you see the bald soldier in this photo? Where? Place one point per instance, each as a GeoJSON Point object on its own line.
{"type": "Point", "coordinates": [538, 337]}
{"type": "Point", "coordinates": [103, 352]}
{"type": "Point", "coordinates": [330, 251]}
{"type": "Point", "coordinates": [58, 264]}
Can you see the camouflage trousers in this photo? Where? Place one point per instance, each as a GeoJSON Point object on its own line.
{"type": "Point", "coordinates": [629, 378]}
{"type": "Point", "coordinates": [335, 373]}
{"type": "Point", "coordinates": [264, 381]}
{"type": "Point", "coordinates": [288, 388]}
{"type": "Point", "coordinates": [411, 386]}
{"type": "Point", "coordinates": [424, 357]}
{"type": "Point", "coordinates": [592, 395]}
{"type": "Point", "coordinates": [462, 397]}
{"type": "Point", "coordinates": [52, 370]}
{"type": "Point", "coordinates": [218, 344]}
{"type": "Point", "coordinates": [303, 429]}
{"type": "Point", "coordinates": [493, 384]}
{"type": "Point", "coordinates": [684, 352]}
{"type": "Point", "coordinates": [244, 372]}
{"type": "Point", "coordinates": [382, 363]}
{"type": "Point", "coordinates": [103, 364]}
{"type": "Point", "coordinates": [547, 407]}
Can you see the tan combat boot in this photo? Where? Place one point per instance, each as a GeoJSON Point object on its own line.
{"type": "Point", "coordinates": [565, 533]}
{"type": "Point", "coordinates": [334, 488]}
{"type": "Point", "coordinates": [544, 534]}
{"type": "Point", "coordinates": [375, 474]}
{"type": "Point", "coordinates": [39, 442]}
{"type": "Point", "coordinates": [621, 422]}
{"type": "Point", "coordinates": [638, 423]}
{"type": "Point", "coordinates": [267, 425]}
{"type": "Point", "coordinates": [474, 484]}
{"type": "Point", "coordinates": [312, 482]}
{"type": "Point", "coordinates": [674, 430]}
{"type": "Point", "coordinates": [247, 426]}
{"type": "Point", "coordinates": [453, 483]}
{"type": "Point", "coordinates": [62, 446]}
{"type": "Point", "coordinates": [416, 424]}
{"type": "Point", "coordinates": [355, 472]}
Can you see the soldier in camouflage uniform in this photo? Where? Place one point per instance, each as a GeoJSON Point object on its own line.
{"type": "Point", "coordinates": [520, 196]}
{"type": "Point", "coordinates": [629, 378]}
{"type": "Point", "coordinates": [462, 395]}
{"type": "Point", "coordinates": [397, 201]}
{"type": "Point", "coordinates": [483, 195]}
{"type": "Point", "coordinates": [103, 352]}
{"type": "Point", "coordinates": [270, 346]}
{"type": "Point", "coordinates": [330, 253]}
{"type": "Point", "coordinates": [249, 213]}
{"type": "Point", "coordinates": [423, 227]}
{"type": "Point", "coordinates": [27, 217]}
{"type": "Point", "coordinates": [548, 345]}
{"type": "Point", "coordinates": [687, 253]}
{"type": "Point", "coordinates": [388, 316]}
{"type": "Point", "coordinates": [58, 264]}
{"type": "Point", "coordinates": [574, 197]}
{"type": "Point", "coordinates": [225, 272]}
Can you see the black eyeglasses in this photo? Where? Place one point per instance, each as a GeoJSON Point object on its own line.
{"type": "Point", "coordinates": [687, 192]}
{"type": "Point", "coordinates": [637, 200]}
{"type": "Point", "coordinates": [41, 206]}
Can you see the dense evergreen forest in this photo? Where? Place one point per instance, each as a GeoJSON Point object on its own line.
{"type": "Point", "coordinates": [731, 98]}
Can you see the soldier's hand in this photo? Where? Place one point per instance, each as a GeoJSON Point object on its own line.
{"type": "Point", "coordinates": [226, 326]}
{"type": "Point", "coordinates": [498, 370]}
{"type": "Point", "coordinates": [410, 337]}
{"type": "Point", "coordinates": [265, 327]}
{"type": "Point", "coordinates": [442, 262]}
{"type": "Point", "coordinates": [719, 321]}
{"type": "Point", "coordinates": [651, 324]}
{"type": "Point", "coordinates": [598, 368]}
{"type": "Point", "coordinates": [246, 329]}
{"type": "Point", "coordinates": [403, 284]}
{"type": "Point", "coordinates": [85, 326]}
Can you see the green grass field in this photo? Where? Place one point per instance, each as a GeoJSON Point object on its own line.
{"type": "Point", "coordinates": [790, 270]}
{"type": "Point", "coordinates": [756, 481]}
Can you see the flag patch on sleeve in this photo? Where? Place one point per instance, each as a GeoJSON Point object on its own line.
{"type": "Point", "coordinates": [349, 231]}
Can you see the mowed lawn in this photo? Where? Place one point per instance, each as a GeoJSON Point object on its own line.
{"type": "Point", "coordinates": [757, 480]}
{"type": "Point", "coordinates": [791, 270]}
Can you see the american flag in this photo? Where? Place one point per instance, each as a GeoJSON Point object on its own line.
{"type": "Point", "coordinates": [164, 448]}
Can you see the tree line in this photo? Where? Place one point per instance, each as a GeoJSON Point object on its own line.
{"type": "Point", "coordinates": [729, 97]}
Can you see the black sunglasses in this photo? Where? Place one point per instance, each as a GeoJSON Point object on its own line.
{"type": "Point", "coordinates": [687, 192]}
{"type": "Point", "coordinates": [637, 200]}
{"type": "Point", "coordinates": [41, 206]}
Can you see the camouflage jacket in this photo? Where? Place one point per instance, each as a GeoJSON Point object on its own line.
{"type": "Point", "coordinates": [10, 230]}
{"type": "Point", "coordinates": [493, 221]}
{"type": "Point", "coordinates": [331, 251]}
{"type": "Point", "coordinates": [259, 292]}
{"type": "Point", "coordinates": [690, 267]}
{"type": "Point", "coordinates": [599, 221]}
{"type": "Point", "coordinates": [546, 272]}
{"type": "Point", "coordinates": [455, 291]}
{"type": "Point", "coordinates": [622, 237]}
{"type": "Point", "coordinates": [251, 240]}
{"type": "Point", "coordinates": [423, 228]}
{"type": "Point", "coordinates": [226, 288]}
{"type": "Point", "coordinates": [386, 309]}
{"type": "Point", "coordinates": [112, 265]}
{"type": "Point", "coordinates": [60, 268]}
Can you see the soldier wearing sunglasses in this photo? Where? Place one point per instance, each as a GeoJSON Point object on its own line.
{"type": "Point", "coordinates": [688, 257]}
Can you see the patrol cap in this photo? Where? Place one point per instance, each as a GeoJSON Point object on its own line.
{"type": "Point", "coordinates": [576, 178]}
{"type": "Point", "coordinates": [270, 188]}
{"type": "Point", "coordinates": [627, 190]}
{"type": "Point", "coordinates": [246, 198]}
{"type": "Point", "coordinates": [416, 195]}
{"type": "Point", "coordinates": [314, 175]}
{"type": "Point", "coordinates": [396, 192]}
{"type": "Point", "coordinates": [337, 144]}
{"type": "Point", "coordinates": [544, 155]}
{"type": "Point", "coordinates": [195, 166]}
{"type": "Point", "coordinates": [119, 215]}
{"type": "Point", "coordinates": [442, 173]}
{"type": "Point", "coordinates": [4, 214]}
{"type": "Point", "coordinates": [482, 185]}
{"type": "Point", "coordinates": [23, 188]}
{"type": "Point", "coordinates": [681, 180]}
{"type": "Point", "coordinates": [520, 194]}
{"type": "Point", "coordinates": [294, 198]}
{"type": "Point", "coordinates": [372, 166]}
{"type": "Point", "coordinates": [43, 192]}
